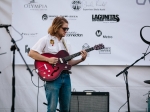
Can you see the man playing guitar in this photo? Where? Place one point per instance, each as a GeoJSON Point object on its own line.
{"type": "Point", "coordinates": [52, 43]}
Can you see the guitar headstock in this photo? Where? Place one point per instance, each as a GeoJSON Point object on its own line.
{"type": "Point", "coordinates": [99, 46]}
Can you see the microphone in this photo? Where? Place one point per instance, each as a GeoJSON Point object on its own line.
{"type": "Point", "coordinates": [4, 25]}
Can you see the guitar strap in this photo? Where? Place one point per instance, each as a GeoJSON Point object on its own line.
{"type": "Point", "coordinates": [63, 41]}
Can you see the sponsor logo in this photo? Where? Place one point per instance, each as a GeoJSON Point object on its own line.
{"type": "Point", "coordinates": [32, 1]}
{"type": "Point", "coordinates": [84, 47]}
{"type": "Point", "coordinates": [94, 5]}
{"type": "Point", "coordinates": [27, 49]}
{"type": "Point", "coordinates": [104, 36]}
{"type": "Point", "coordinates": [105, 18]}
{"type": "Point", "coordinates": [106, 50]}
{"type": "Point", "coordinates": [30, 34]}
{"type": "Point", "coordinates": [33, 5]}
{"type": "Point", "coordinates": [98, 33]}
{"type": "Point", "coordinates": [51, 17]}
{"type": "Point", "coordinates": [142, 2]}
{"type": "Point", "coordinates": [88, 5]}
{"type": "Point", "coordinates": [73, 34]}
{"type": "Point", "coordinates": [76, 5]}
{"type": "Point", "coordinates": [44, 17]}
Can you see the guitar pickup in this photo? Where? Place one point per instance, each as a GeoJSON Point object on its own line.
{"type": "Point", "coordinates": [61, 61]}
{"type": "Point", "coordinates": [37, 70]}
{"type": "Point", "coordinates": [45, 66]}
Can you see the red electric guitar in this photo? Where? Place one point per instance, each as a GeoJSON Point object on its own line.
{"type": "Point", "coordinates": [50, 72]}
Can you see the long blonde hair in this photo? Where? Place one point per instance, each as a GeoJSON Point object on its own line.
{"type": "Point", "coordinates": [56, 24]}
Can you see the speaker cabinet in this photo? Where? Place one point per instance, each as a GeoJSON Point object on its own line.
{"type": "Point", "coordinates": [89, 102]}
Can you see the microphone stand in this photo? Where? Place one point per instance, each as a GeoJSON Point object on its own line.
{"type": "Point", "coordinates": [13, 48]}
{"type": "Point", "coordinates": [126, 74]}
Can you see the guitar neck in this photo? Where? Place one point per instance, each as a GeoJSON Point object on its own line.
{"type": "Point", "coordinates": [77, 54]}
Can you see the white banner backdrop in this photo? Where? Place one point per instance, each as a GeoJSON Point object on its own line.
{"type": "Point", "coordinates": [116, 24]}
{"type": "Point", "coordinates": [98, 78]}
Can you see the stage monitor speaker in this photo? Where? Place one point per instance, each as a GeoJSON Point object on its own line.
{"type": "Point", "coordinates": [89, 102]}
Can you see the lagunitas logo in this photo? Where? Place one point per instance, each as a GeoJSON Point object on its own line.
{"type": "Point", "coordinates": [76, 5]}
{"type": "Point", "coordinates": [33, 5]}
{"type": "Point", "coordinates": [142, 2]}
{"type": "Point", "coordinates": [73, 34]}
{"type": "Point", "coordinates": [105, 18]}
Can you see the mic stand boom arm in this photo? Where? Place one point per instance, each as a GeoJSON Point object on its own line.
{"type": "Point", "coordinates": [126, 73]}
{"type": "Point", "coordinates": [13, 68]}
{"type": "Point", "coordinates": [131, 65]}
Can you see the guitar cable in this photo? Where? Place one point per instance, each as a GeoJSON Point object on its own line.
{"type": "Point", "coordinates": [35, 84]}
{"type": "Point", "coordinates": [129, 93]}
{"type": "Point", "coordinates": [38, 95]}
{"type": "Point", "coordinates": [38, 88]}
{"type": "Point", "coordinates": [19, 34]}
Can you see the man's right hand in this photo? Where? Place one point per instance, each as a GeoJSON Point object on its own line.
{"type": "Point", "coordinates": [52, 60]}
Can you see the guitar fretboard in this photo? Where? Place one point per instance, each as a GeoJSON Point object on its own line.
{"type": "Point", "coordinates": [76, 54]}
